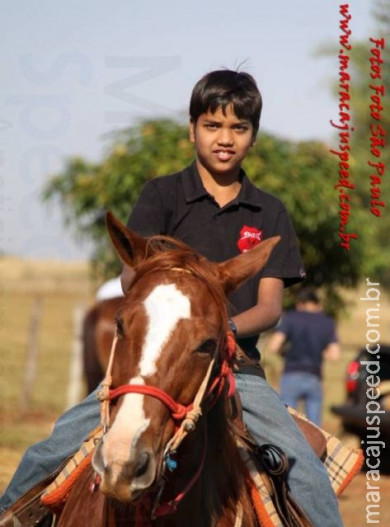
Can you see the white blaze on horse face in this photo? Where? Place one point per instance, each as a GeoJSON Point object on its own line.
{"type": "Point", "coordinates": [126, 429]}
{"type": "Point", "coordinates": [165, 306]}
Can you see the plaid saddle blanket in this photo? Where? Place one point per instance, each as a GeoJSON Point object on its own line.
{"type": "Point", "coordinates": [341, 462]}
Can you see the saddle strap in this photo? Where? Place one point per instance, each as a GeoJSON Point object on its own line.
{"type": "Point", "coordinates": [28, 510]}
{"type": "Point", "coordinates": [275, 464]}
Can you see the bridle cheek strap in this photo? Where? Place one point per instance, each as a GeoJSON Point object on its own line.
{"type": "Point", "coordinates": [178, 411]}
{"type": "Point", "coordinates": [228, 355]}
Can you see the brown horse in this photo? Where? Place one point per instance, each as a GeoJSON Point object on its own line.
{"type": "Point", "coordinates": [97, 334]}
{"type": "Point", "coordinates": [168, 457]}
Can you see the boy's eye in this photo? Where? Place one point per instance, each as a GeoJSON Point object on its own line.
{"type": "Point", "coordinates": [241, 127]}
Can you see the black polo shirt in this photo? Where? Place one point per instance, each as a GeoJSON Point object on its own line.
{"type": "Point", "coordinates": [178, 205]}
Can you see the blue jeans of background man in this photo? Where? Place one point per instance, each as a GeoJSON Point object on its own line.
{"type": "Point", "coordinates": [264, 414]}
{"type": "Point", "coordinates": [302, 386]}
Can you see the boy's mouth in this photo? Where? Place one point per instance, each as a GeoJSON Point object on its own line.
{"type": "Point", "coordinates": [224, 155]}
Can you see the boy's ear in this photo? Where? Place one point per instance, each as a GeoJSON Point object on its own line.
{"type": "Point", "coordinates": [130, 247]}
{"type": "Point", "coordinates": [191, 130]}
{"type": "Point", "coordinates": [254, 138]}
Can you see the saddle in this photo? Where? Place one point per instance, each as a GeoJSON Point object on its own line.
{"type": "Point", "coordinates": [267, 468]}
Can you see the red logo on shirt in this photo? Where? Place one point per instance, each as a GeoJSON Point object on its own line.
{"type": "Point", "coordinates": [249, 238]}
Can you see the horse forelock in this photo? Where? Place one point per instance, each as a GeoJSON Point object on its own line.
{"type": "Point", "coordinates": [166, 254]}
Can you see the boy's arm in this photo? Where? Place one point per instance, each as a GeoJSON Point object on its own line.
{"type": "Point", "coordinates": [266, 313]}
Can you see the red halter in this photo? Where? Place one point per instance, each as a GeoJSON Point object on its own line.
{"type": "Point", "coordinates": [178, 411]}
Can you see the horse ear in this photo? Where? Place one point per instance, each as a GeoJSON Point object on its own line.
{"type": "Point", "coordinates": [237, 270]}
{"type": "Point", "coordinates": [130, 247]}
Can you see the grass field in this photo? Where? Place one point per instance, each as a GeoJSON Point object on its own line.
{"type": "Point", "coordinates": [60, 288]}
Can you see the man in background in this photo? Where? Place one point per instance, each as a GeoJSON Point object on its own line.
{"type": "Point", "coordinates": [311, 336]}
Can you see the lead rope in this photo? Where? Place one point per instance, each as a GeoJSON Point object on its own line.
{"type": "Point", "coordinates": [239, 515]}
{"type": "Point", "coordinates": [104, 394]}
{"type": "Point", "coordinates": [188, 423]}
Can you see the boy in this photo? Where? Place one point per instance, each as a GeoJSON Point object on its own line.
{"type": "Point", "coordinates": [213, 207]}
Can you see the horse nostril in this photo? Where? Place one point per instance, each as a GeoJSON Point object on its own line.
{"type": "Point", "coordinates": [97, 458]}
{"type": "Point", "coordinates": [142, 465]}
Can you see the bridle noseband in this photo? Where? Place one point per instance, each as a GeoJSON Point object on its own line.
{"type": "Point", "coordinates": [225, 349]}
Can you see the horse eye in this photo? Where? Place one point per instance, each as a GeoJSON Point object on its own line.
{"type": "Point", "coordinates": [208, 346]}
{"type": "Point", "coordinates": [119, 327]}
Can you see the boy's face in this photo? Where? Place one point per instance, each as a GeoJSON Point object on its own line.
{"type": "Point", "coordinates": [221, 141]}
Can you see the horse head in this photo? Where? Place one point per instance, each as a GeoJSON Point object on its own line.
{"type": "Point", "coordinates": [171, 340]}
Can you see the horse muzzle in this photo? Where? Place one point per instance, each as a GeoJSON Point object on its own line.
{"type": "Point", "coordinates": [124, 478]}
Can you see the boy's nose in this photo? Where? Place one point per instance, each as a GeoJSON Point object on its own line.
{"type": "Point", "coordinates": [225, 137]}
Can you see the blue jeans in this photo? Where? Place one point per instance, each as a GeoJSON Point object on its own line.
{"type": "Point", "coordinates": [301, 386]}
{"type": "Point", "coordinates": [44, 458]}
{"type": "Point", "coordinates": [269, 422]}
{"type": "Point", "coordinates": [264, 414]}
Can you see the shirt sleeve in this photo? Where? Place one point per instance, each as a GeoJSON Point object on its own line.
{"type": "Point", "coordinates": [333, 337]}
{"type": "Point", "coordinates": [283, 324]}
{"type": "Point", "coordinates": [285, 261]}
{"type": "Point", "coordinates": [147, 217]}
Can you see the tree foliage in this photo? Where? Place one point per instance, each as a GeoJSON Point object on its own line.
{"type": "Point", "coordinates": [298, 173]}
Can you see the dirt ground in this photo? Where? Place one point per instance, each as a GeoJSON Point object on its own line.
{"type": "Point", "coordinates": [353, 503]}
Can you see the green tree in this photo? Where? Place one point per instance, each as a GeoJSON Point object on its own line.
{"type": "Point", "coordinates": [298, 173]}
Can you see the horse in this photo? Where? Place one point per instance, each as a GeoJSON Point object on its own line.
{"type": "Point", "coordinates": [168, 456]}
{"type": "Point", "coordinates": [98, 330]}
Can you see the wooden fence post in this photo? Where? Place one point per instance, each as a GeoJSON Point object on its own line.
{"type": "Point", "coordinates": [32, 353]}
{"type": "Point", "coordinates": [76, 384]}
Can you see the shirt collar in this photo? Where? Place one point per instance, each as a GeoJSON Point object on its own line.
{"type": "Point", "coordinates": [194, 189]}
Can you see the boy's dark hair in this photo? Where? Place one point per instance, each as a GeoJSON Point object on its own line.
{"type": "Point", "coordinates": [220, 88]}
{"type": "Point", "coordinates": [307, 294]}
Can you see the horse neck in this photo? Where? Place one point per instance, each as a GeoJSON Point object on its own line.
{"type": "Point", "coordinates": [221, 485]}
{"type": "Point", "coordinates": [225, 474]}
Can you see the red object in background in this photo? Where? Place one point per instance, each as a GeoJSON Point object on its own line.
{"type": "Point", "coordinates": [352, 376]}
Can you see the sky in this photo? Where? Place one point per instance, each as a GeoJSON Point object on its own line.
{"type": "Point", "coordinates": [71, 72]}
